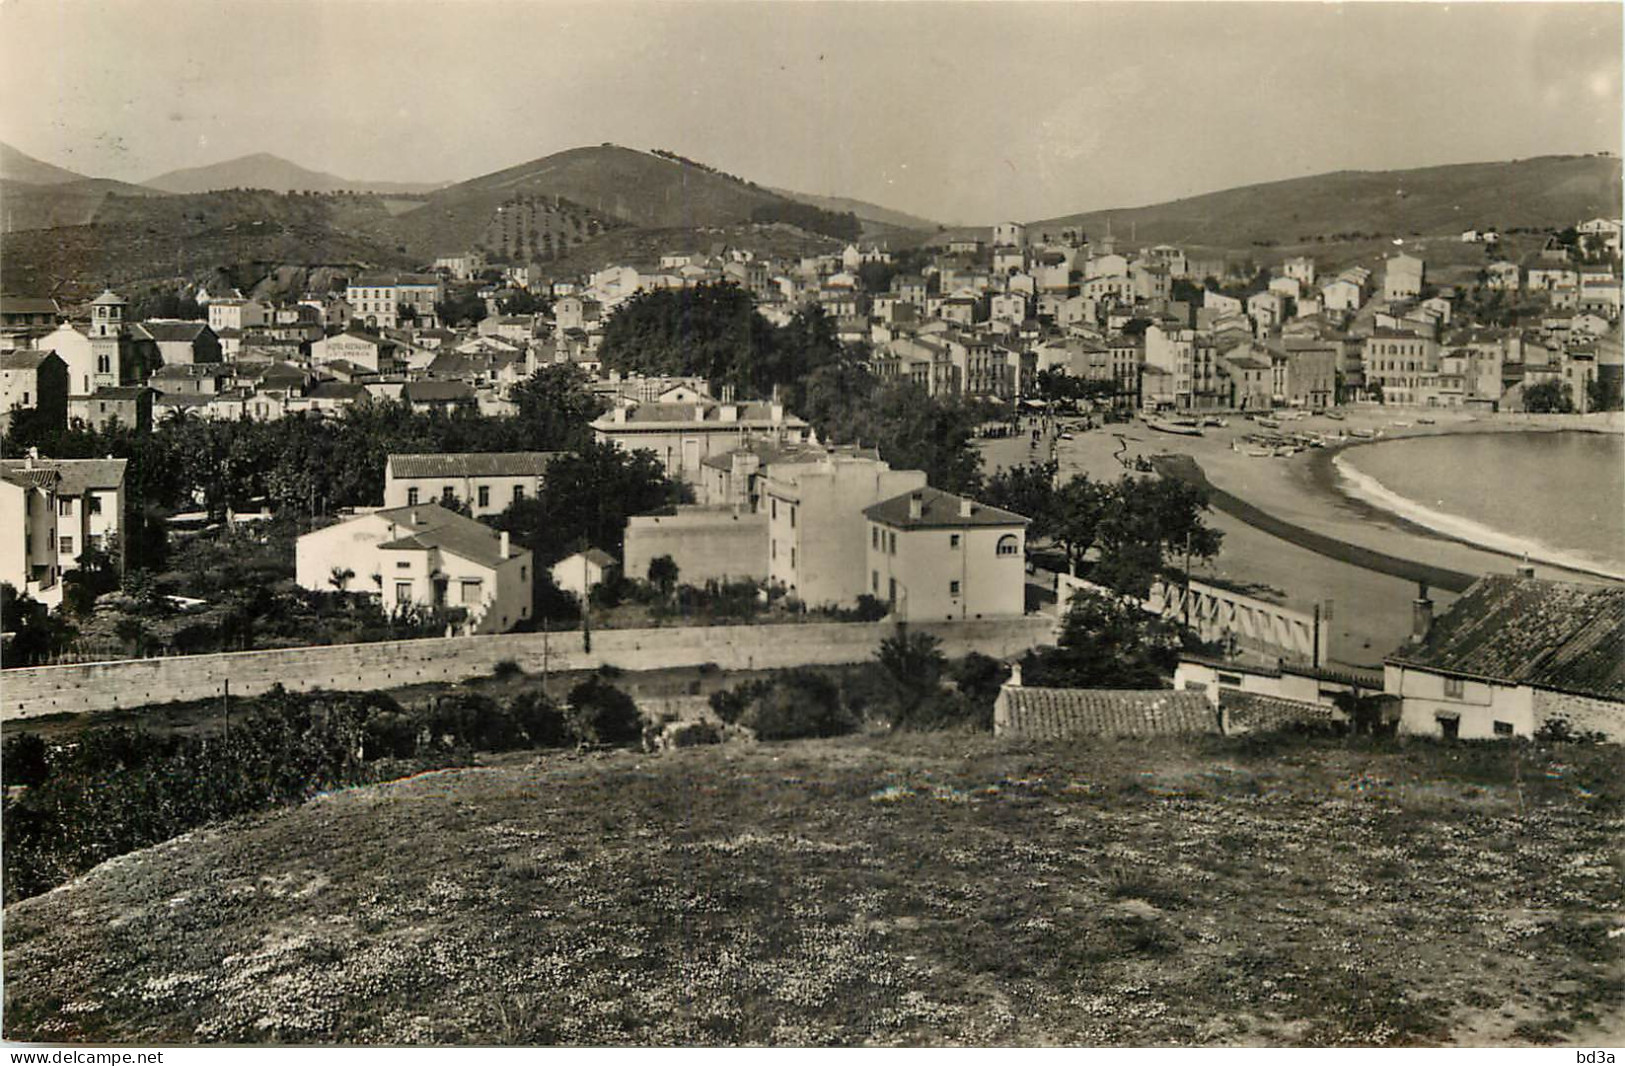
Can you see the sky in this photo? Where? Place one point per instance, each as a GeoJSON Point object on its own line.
{"type": "Point", "coordinates": [960, 112]}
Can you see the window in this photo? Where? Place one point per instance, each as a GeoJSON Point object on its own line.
{"type": "Point", "coordinates": [448, 498]}
{"type": "Point", "coordinates": [772, 549]}
{"type": "Point", "coordinates": [953, 589]}
{"type": "Point", "coordinates": [66, 546]}
{"type": "Point", "coordinates": [775, 510]}
{"type": "Point", "coordinates": [874, 537]}
{"type": "Point", "coordinates": [1453, 688]}
{"type": "Point", "coordinates": [874, 581]}
{"type": "Point", "coordinates": [1009, 544]}
{"type": "Point", "coordinates": [523, 572]}
{"type": "Point", "coordinates": [1503, 729]}
{"type": "Point", "coordinates": [412, 497]}
{"type": "Point", "coordinates": [792, 558]}
{"type": "Point", "coordinates": [405, 564]}
{"type": "Point", "coordinates": [64, 505]}
{"type": "Point", "coordinates": [471, 589]}
{"type": "Point", "coordinates": [953, 540]}
{"type": "Point", "coordinates": [485, 495]}
{"type": "Point", "coordinates": [403, 592]}
{"type": "Point", "coordinates": [94, 542]}
{"type": "Point", "coordinates": [792, 516]}
{"type": "Point", "coordinates": [894, 544]}
{"type": "Point", "coordinates": [518, 493]}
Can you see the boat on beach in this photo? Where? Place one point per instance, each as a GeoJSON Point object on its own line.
{"type": "Point", "coordinates": [1336, 416]}
{"type": "Point", "coordinates": [1175, 427]}
{"type": "Point", "coordinates": [1268, 423]}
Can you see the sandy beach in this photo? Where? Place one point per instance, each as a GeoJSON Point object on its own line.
{"type": "Point", "coordinates": [1371, 610]}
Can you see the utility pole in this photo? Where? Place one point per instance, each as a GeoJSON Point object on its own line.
{"type": "Point", "coordinates": [1187, 579]}
{"type": "Point", "coordinates": [1315, 653]}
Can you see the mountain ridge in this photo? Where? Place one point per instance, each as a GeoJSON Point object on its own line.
{"type": "Point", "coordinates": [263, 170]}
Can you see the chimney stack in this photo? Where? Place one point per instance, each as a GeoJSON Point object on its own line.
{"type": "Point", "coordinates": [966, 507]}
{"type": "Point", "coordinates": [916, 505]}
{"type": "Point", "coordinates": [1421, 614]}
{"type": "Point", "coordinates": [1015, 675]}
{"type": "Point", "coordinates": [1525, 568]}
{"type": "Point", "coordinates": [504, 543]}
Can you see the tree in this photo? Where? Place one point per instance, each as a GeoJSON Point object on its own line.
{"type": "Point", "coordinates": [36, 634]}
{"type": "Point", "coordinates": [1029, 491]}
{"type": "Point", "coordinates": [913, 664]}
{"type": "Point", "coordinates": [663, 574]}
{"type": "Point", "coordinates": [1603, 395]}
{"type": "Point", "coordinates": [94, 576]}
{"type": "Point", "coordinates": [1076, 515]}
{"type": "Point", "coordinates": [600, 713]}
{"type": "Point", "coordinates": [556, 405]}
{"type": "Point", "coordinates": [1549, 397]}
{"type": "Point", "coordinates": [1107, 641]}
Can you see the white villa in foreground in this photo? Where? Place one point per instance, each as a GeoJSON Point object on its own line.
{"type": "Point", "coordinates": [424, 556]}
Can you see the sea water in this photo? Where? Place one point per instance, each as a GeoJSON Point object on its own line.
{"type": "Point", "coordinates": [1557, 497]}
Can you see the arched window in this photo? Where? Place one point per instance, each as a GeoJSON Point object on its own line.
{"type": "Point", "coordinates": [1009, 544]}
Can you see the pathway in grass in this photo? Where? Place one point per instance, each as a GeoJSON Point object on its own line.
{"type": "Point", "coordinates": [945, 889]}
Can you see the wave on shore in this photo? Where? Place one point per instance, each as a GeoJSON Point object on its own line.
{"type": "Point", "coordinates": [1367, 488]}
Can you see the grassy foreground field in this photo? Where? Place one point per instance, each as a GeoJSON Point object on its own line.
{"type": "Point", "coordinates": [944, 889]}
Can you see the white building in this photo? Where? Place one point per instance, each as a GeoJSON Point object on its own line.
{"type": "Point", "coordinates": [1512, 655]}
{"type": "Point", "coordinates": [935, 556]}
{"type": "Point", "coordinates": [422, 557]}
{"type": "Point", "coordinates": [490, 482]}
{"type": "Point", "coordinates": [816, 523]}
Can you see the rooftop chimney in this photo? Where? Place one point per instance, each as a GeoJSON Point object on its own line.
{"type": "Point", "coordinates": [414, 517]}
{"type": "Point", "coordinates": [1015, 675]}
{"type": "Point", "coordinates": [504, 543]}
{"type": "Point", "coordinates": [1525, 569]}
{"type": "Point", "coordinates": [1421, 614]}
{"type": "Point", "coordinates": [916, 505]}
{"type": "Point", "coordinates": [966, 507]}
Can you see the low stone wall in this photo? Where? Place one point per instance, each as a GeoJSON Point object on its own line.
{"type": "Point", "coordinates": [86, 687]}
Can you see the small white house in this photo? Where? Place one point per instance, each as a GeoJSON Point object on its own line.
{"type": "Point", "coordinates": [582, 572]}
{"type": "Point", "coordinates": [422, 556]}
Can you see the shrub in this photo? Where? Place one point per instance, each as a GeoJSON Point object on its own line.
{"type": "Point", "coordinates": [540, 719]}
{"type": "Point", "coordinates": [600, 713]}
{"type": "Point", "coordinates": [506, 669]}
{"type": "Point", "coordinates": [800, 703]}
{"type": "Point", "coordinates": [25, 760]}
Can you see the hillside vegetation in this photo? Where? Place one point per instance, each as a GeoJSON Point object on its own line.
{"type": "Point", "coordinates": [1553, 191]}
{"type": "Point", "coordinates": [944, 889]}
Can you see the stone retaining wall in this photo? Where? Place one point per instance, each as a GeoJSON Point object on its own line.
{"type": "Point", "coordinates": [86, 687]}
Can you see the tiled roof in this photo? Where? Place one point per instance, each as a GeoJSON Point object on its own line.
{"type": "Point", "coordinates": [1066, 713]}
{"type": "Point", "coordinates": [438, 527]}
{"type": "Point", "coordinates": [938, 510]}
{"type": "Point", "coordinates": [1252, 712]}
{"type": "Point", "coordinates": [15, 473]}
{"type": "Point", "coordinates": [28, 305]}
{"type": "Point", "coordinates": [24, 358]}
{"type": "Point", "coordinates": [437, 391]}
{"type": "Point", "coordinates": [665, 413]}
{"type": "Point", "coordinates": [337, 390]}
{"type": "Point", "coordinates": [1557, 635]}
{"type": "Point", "coordinates": [472, 464]}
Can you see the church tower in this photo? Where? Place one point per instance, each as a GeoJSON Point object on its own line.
{"type": "Point", "coordinates": [109, 342]}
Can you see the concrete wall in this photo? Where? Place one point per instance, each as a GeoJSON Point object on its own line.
{"type": "Point", "coordinates": [707, 544]}
{"type": "Point", "coordinates": [86, 687]}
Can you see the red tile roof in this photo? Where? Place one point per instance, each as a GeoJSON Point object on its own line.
{"type": "Point", "coordinates": [1559, 635]}
{"type": "Point", "coordinates": [1068, 713]}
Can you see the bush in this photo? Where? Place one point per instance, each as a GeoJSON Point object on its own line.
{"type": "Point", "coordinates": [799, 703]}
{"type": "Point", "coordinates": [540, 719]}
{"type": "Point", "coordinates": [24, 760]}
{"type": "Point", "coordinates": [506, 669]}
{"type": "Point", "coordinates": [600, 713]}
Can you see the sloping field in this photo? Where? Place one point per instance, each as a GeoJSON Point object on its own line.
{"type": "Point", "coordinates": [941, 890]}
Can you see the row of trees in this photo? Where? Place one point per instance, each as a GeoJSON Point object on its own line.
{"type": "Point", "coordinates": [1136, 526]}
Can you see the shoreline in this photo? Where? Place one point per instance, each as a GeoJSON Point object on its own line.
{"type": "Point", "coordinates": [1330, 472]}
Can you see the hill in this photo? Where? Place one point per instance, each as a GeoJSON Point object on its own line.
{"type": "Point", "coordinates": [882, 216]}
{"type": "Point", "coordinates": [36, 195]}
{"type": "Point", "coordinates": [265, 171]}
{"type": "Point", "coordinates": [16, 165]}
{"type": "Point", "coordinates": [1551, 191]}
{"type": "Point", "coordinates": [945, 889]}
